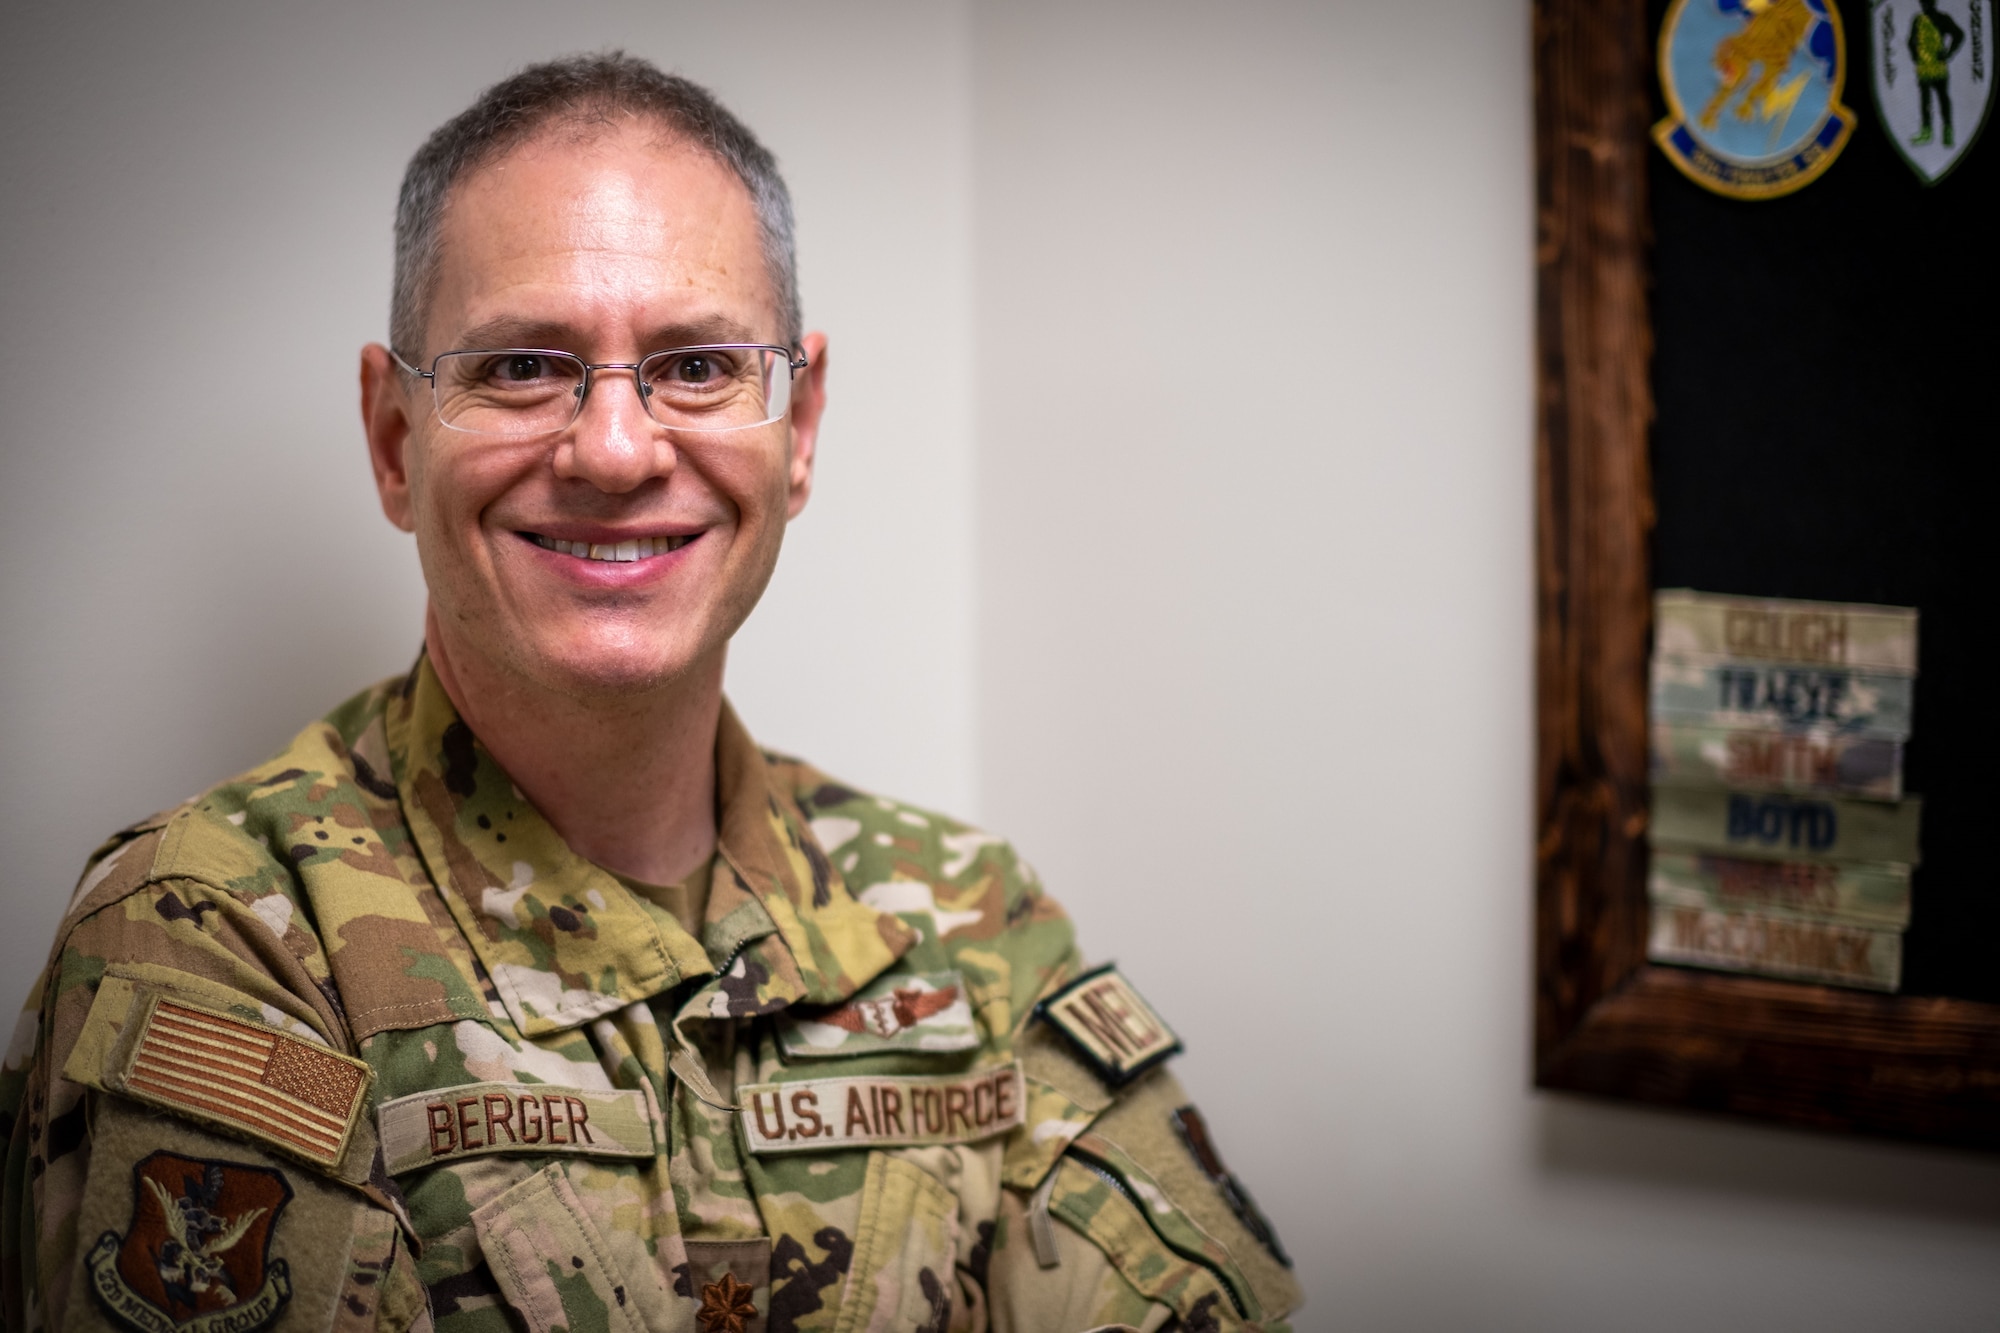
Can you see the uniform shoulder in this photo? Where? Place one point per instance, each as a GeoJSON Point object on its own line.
{"type": "Point", "coordinates": [873, 839]}
{"type": "Point", "coordinates": [233, 838]}
{"type": "Point", "coordinates": [978, 905]}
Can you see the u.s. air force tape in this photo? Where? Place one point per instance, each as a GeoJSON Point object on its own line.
{"type": "Point", "coordinates": [885, 1111]}
{"type": "Point", "coordinates": [1107, 1022]}
{"type": "Point", "coordinates": [475, 1119]}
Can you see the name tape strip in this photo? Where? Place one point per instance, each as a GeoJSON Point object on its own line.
{"type": "Point", "coordinates": [1785, 827]}
{"type": "Point", "coordinates": [884, 1111]}
{"type": "Point", "coordinates": [1850, 634]}
{"type": "Point", "coordinates": [475, 1119]}
{"type": "Point", "coordinates": [1777, 946]}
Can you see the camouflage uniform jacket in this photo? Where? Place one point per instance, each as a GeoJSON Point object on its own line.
{"type": "Point", "coordinates": [356, 1041]}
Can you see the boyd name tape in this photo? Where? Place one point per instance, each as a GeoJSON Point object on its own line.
{"type": "Point", "coordinates": [884, 1111]}
{"type": "Point", "coordinates": [1784, 827]}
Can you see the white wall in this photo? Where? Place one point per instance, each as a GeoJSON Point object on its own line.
{"type": "Point", "coordinates": [1201, 569]}
{"type": "Point", "coordinates": [1254, 447]}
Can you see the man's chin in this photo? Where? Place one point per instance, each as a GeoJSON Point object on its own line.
{"type": "Point", "coordinates": [605, 673]}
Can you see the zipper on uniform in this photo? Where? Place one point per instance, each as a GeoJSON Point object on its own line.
{"type": "Point", "coordinates": [1103, 1171]}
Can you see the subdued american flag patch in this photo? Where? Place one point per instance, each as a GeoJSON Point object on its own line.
{"type": "Point", "coordinates": [289, 1092]}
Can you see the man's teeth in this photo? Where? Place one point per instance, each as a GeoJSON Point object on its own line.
{"type": "Point", "coordinates": [637, 549]}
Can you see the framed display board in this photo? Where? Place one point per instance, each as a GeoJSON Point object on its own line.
{"type": "Point", "coordinates": [1773, 397]}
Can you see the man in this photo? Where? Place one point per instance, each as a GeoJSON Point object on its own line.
{"type": "Point", "coordinates": [1934, 39]}
{"type": "Point", "coordinates": [525, 990]}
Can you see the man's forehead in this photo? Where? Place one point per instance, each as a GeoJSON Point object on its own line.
{"type": "Point", "coordinates": [623, 217]}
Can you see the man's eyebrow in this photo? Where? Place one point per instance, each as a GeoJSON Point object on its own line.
{"type": "Point", "coordinates": [512, 331]}
{"type": "Point", "coordinates": [710, 329]}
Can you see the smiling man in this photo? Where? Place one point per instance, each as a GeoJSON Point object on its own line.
{"type": "Point", "coordinates": [524, 990]}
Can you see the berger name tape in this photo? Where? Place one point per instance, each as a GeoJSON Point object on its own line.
{"type": "Point", "coordinates": [474, 1119]}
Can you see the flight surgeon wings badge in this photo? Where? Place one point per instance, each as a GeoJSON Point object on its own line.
{"type": "Point", "coordinates": [1933, 67]}
{"type": "Point", "coordinates": [911, 1013]}
{"type": "Point", "coordinates": [1753, 93]}
{"type": "Point", "coordinates": [196, 1256]}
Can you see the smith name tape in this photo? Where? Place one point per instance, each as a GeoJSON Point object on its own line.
{"type": "Point", "coordinates": [1769, 758]}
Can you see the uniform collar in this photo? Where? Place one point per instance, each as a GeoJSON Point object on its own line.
{"type": "Point", "coordinates": [565, 942]}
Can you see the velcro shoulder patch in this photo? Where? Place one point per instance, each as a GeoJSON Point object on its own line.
{"type": "Point", "coordinates": [476, 1119]}
{"type": "Point", "coordinates": [197, 1061]}
{"type": "Point", "coordinates": [882, 1111]}
{"type": "Point", "coordinates": [1193, 1132]}
{"type": "Point", "coordinates": [1117, 1032]}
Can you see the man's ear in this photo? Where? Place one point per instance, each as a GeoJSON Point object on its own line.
{"type": "Point", "coordinates": [808, 402]}
{"type": "Point", "coordinates": [385, 417]}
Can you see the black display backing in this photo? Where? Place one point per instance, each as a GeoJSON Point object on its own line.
{"type": "Point", "coordinates": [1824, 428]}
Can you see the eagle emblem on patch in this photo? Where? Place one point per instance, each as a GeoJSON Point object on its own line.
{"type": "Point", "coordinates": [195, 1257]}
{"type": "Point", "coordinates": [904, 1012]}
{"type": "Point", "coordinates": [1110, 1025]}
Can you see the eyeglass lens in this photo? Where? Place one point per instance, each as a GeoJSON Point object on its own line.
{"type": "Point", "coordinates": [527, 392]}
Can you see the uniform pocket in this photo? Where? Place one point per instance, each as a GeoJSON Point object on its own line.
{"type": "Point", "coordinates": [901, 1276]}
{"type": "Point", "coordinates": [550, 1261]}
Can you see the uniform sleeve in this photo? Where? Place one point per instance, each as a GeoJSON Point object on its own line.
{"type": "Point", "coordinates": [187, 1137]}
{"type": "Point", "coordinates": [1119, 1212]}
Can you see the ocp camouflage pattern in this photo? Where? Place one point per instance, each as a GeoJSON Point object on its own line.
{"type": "Point", "coordinates": [381, 887]}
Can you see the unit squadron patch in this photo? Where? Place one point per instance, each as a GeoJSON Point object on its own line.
{"type": "Point", "coordinates": [1110, 1025]}
{"type": "Point", "coordinates": [1933, 78]}
{"type": "Point", "coordinates": [195, 1257]}
{"type": "Point", "coordinates": [1753, 93]}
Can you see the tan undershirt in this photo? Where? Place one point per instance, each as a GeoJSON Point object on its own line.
{"type": "Point", "coordinates": [686, 902]}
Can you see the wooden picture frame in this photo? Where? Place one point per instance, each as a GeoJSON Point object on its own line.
{"type": "Point", "coordinates": [1606, 1021]}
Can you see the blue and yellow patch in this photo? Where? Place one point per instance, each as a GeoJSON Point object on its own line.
{"type": "Point", "coordinates": [1753, 93]}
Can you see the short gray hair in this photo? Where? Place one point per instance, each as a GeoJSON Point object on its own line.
{"type": "Point", "coordinates": [585, 92]}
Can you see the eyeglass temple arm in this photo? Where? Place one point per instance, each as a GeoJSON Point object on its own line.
{"type": "Point", "coordinates": [421, 374]}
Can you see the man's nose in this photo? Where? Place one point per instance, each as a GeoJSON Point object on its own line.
{"type": "Point", "coordinates": [614, 444]}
